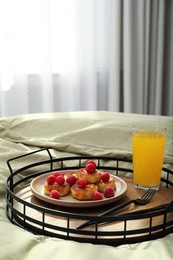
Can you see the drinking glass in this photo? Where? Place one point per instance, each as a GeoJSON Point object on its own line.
{"type": "Point", "coordinates": [148, 147]}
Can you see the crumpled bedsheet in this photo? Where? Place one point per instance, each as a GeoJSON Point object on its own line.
{"type": "Point", "coordinates": [67, 134]}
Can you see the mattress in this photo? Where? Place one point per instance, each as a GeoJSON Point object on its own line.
{"type": "Point", "coordinates": [98, 133]}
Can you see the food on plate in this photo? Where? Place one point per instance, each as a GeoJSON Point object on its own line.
{"type": "Point", "coordinates": [85, 193]}
{"type": "Point", "coordinates": [82, 174]}
{"type": "Point", "coordinates": [102, 185]}
{"type": "Point", "coordinates": [109, 192]}
{"type": "Point", "coordinates": [55, 194]}
{"type": "Point", "coordinates": [105, 176]}
{"type": "Point", "coordinates": [62, 187]}
{"type": "Point", "coordinates": [71, 180]}
{"type": "Point", "coordinates": [81, 183]}
{"type": "Point", "coordinates": [60, 180]}
{"type": "Point", "coordinates": [56, 173]}
{"type": "Point", "coordinates": [92, 162]}
{"type": "Point", "coordinates": [87, 183]}
{"type": "Point", "coordinates": [90, 167]}
{"type": "Point", "coordinates": [97, 196]}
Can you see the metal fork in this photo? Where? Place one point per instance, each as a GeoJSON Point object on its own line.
{"type": "Point", "coordinates": [142, 200]}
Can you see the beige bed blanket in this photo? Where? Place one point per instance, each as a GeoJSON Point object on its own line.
{"type": "Point", "coordinates": [75, 133]}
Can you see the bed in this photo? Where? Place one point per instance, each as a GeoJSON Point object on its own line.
{"type": "Point", "coordinates": [94, 133]}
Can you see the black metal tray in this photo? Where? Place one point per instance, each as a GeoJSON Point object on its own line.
{"type": "Point", "coordinates": [42, 218]}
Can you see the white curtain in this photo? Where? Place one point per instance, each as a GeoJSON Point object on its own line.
{"type": "Point", "coordinates": [71, 55]}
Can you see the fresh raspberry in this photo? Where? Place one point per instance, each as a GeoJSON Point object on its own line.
{"type": "Point", "coordinates": [97, 196]}
{"type": "Point", "coordinates": [51, 179]}
{"type": "Point", "coordinates": [90, 168]}
{"type": "Point", "coordinates": [71, 180]}
{"type": "Point", "coordinates": [108, 192]}
{"type": "Point", "coordinates": [91, 161]}
{"type": "Point", "coordinates": [60, 180]}
{"type": "Point", "coordinates": [81, 183]}
{"type": "Point", "coordinates": [56, 174]}
{"type": "Point", "coordinates": [105, 176]}
{"type": "Point", "coordinates": [55, 194]}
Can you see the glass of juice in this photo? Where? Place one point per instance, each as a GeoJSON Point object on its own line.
{"type": "Point", "coordinates": [148, 153]}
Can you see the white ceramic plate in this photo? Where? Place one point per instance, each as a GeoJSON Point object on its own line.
{"type": "Point", "coordinates": [37, 187]}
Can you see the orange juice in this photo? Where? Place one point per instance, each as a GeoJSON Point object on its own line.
{"type": "Point", "coordinates": [148, 154]}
